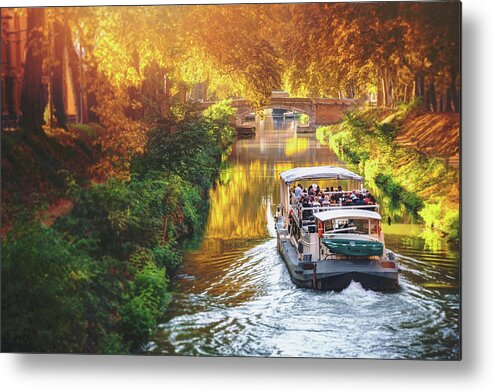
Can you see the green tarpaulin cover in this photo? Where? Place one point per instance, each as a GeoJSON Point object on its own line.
{"type": "Point", "coordinates": [350, 247]}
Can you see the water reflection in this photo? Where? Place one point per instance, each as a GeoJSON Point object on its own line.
{"type": "Point", "coordinates": [234, 295]}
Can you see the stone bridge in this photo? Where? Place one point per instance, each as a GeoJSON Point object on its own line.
{"type": "Point", "coordinates": [322, 111]}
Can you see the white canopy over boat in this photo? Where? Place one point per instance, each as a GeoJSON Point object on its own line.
{"type": "Point", "coordinates": [318, 172]}
{"type": "Point", "coordinates": [347, 213]}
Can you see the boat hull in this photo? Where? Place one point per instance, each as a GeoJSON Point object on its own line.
{"type": "Point", "coordinates": [337, 274]}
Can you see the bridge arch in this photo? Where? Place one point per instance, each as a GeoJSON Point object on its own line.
{"type": "Point", "coordinates": [241, 113]}
{"type": "Point", "coordinates": [321, 111]}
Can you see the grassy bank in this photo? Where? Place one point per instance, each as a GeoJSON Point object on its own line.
{"type": "Point", "coordinates": [406, 179]}
{"type": "Point", "coordinates": [38, 168]}
{"type": "Point", "coordinates": [97, 280]}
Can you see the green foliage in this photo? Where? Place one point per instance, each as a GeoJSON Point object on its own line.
{"type": "Point", "coordinates": [166, 257]}
{"type": "Point", "coordinates": [407, 179]}
{"type": "Point", "coordinates": [355, 121]}
{"type": "Point", "coordinates": [140, 314]}
{"type": "Point", "coordinates": [386, 131]}
{"type": "Point", "coordinates": [141, 258]}
{"type": "Point", "coordinates": [185, 148]}
{"type": "Point", "coordinates": [441, 219]}
{"type": "Point", "coordinates": [218, 119]}
{"type": "Point", "coordinates": [97, 281]}
{"type": "Point", "coordinates": [118, 215]}
{"type": "Point", "coordinates": [304, 118]}
{"type": "Point", "coordinates": [398, 194]}
{"type": "Point", "coordinates": [138, 320]}
{"type": "Point", "coordinates": [452, 225]}
{"type": "Point", "coordinates": [414, 107]}
{"type": "Point", "coordinates": [42, 308]}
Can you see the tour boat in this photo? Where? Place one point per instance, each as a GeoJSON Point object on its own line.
{"type": "Point", "coordinates": [327, 247]}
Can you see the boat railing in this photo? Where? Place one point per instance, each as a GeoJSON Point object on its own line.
{"type": "Point", "coordinates": [335, 207]}
{"type": "Point", "coordinates": [304, 215]}
{"type": "Point", "coordinates": [341, 230]}
{"type": "Point", "coordinates": [339, 234]}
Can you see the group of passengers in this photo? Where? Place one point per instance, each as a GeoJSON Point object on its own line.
{"type": "Point", "coordinates": [315, 197]}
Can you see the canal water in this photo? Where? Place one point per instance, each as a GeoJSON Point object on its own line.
{"type": "Point", "coordinates": [233, 296]}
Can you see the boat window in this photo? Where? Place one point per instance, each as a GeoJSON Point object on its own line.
{"type": "Point", "coordinates": [374, 226]}
{"type": "Point", "coordinates": [359, 226]}
{"type": "Point", "coordinates": [328, 226]}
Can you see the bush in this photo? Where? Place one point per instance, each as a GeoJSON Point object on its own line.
{"type": "Point", "coordinates": [386, 131]}
{"type": "Point", "coordinates": [398, 194]}
{"type": "Point", "coordinates": [218, 121]}
{"type": "Point", "coordinates": [304, 119]}
{"type": "Point", "coordinates": [167, 257]}
{"type": "Point", "coordinates": [118, 216]}
{"type": "Point", "coordinates": [445, 221]}
{"type": "Point", "coordinates": [150, 298]}
{"type": "Point", "coordinates": [42, 308]}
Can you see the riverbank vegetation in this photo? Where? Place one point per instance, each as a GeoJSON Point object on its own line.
{"type": "Point", "coordinates": [97, 280]}
{"type": "Point", "coordinates": [407, 180]}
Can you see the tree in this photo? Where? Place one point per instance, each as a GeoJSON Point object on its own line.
{"type": "Point", "coordinates": [33, 95]}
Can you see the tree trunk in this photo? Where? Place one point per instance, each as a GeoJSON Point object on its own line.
{"type": "Point", "coordinates": [92, 77]}
{"type": "Point", "coordinates": [416, 92]}
{"type": "Point", "coordinates": [384, 92]}
{"type": "Point", "coordinates": [33, 99]}
{"type": "Point", "coordinates": [388, 99]}
{"type": "Point", "coordinates": [206, 89]}
{"type": "Point", "coordinates": [448, 101]}
{"type": "Point", "coordinates": [427, 100]}
{"type": "Point", "coordinates": [454, 93]}
{"type": "Point", "coordinates": [380, 93]}
{"type": "Point", "coordinates": [74, 68]}
{"type": "Point", "coordinates": [419, 89]}
{"type": "Point", "coordinates": [433, 96]}
{"type": "Point", "coordinates": [58, 71]}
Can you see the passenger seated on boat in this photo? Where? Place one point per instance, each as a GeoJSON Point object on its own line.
{"type": "Point", "coordinates": [359, 201]}
{"type": "Point", "coordinates": [297, 191]}
{"type": "Point", "coordinates": [326, 201]}
{"type": "Point", "coordinates": [307, 211]}
{"type": "Point", "coordinates": [370, 199]}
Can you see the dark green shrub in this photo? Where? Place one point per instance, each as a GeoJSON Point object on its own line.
{"type": "Point", "coordinates": [166, 257]}
{"type": "Point", "coordinates": [398, 194]}
{"type": "Point", "coordinates": [139, 315]}
{"type": "Point", "coordinates": [386, 131]}
{"type": "Point", "coordinates": [42, 308]}
{"type": "Point", "coordinates": [118, 216]}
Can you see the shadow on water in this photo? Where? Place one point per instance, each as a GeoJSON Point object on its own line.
{"type": "Point", "coordinates": [234, 296]}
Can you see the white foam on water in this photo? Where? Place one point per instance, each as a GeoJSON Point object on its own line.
{"type": "Point", "coordinates": [271, 224]}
